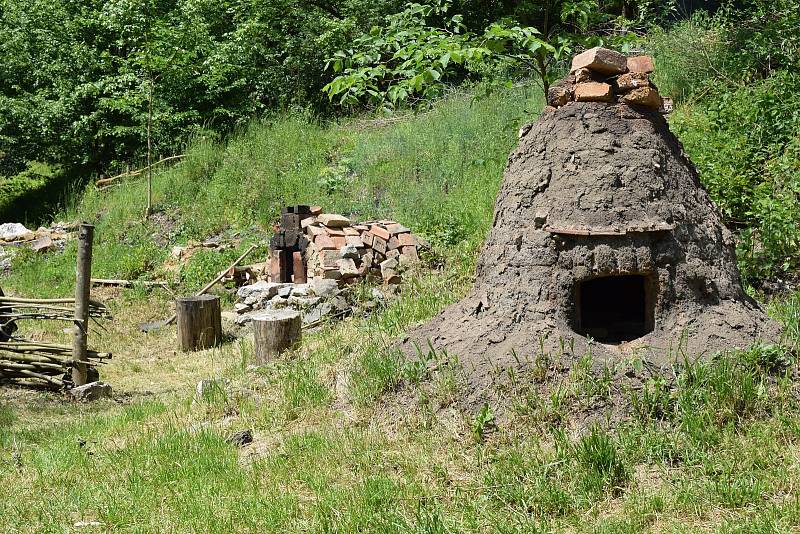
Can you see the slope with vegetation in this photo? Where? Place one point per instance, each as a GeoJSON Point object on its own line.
{"type": "Point", "coordinates": [350, 437]}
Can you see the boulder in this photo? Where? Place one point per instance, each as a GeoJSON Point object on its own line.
{"type": "Point", "coordinates": [15, 232]}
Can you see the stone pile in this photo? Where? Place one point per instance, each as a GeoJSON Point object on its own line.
{"type": "Point", "coordinates": [16, 235]}
{"type": "Point", "coordinates": [345, 252]}
{"type": "Point", "coordinates": [315, 300]}
{"type": "Point", "coordinates": [603, 75]}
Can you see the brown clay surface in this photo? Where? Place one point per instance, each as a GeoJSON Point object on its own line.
{"type": "Point", "coordinates": [616, 171]}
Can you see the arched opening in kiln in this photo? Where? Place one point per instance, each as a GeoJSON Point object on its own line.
{"type": "Point", "coordinates": [614, 309]}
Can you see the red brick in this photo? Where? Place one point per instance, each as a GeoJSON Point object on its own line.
{"type": "Point", "coordinates": [640, 64]}
{"type": "Point", "coordinates": [396, 228]}
{"type": "Point", "coordinates": [593, 92]}
{"type": "Point", "coordinates": [351, 231]}
{"type": "Point", "coordinates": [601, 60]}
{"type": "Point", "coordinates": [377, 231]}
{"type": "Point", "coordinates": [298, 268]}
{"type": "Point", "coordinates": [394, 253]}
{"type": "Point", "coordinates": [632, 80]}
{"type": "Point", "coordinates": [316, 210]}
{"type": "Point", "coordinates": [315, 230]}
{"type": "Point", "coordinates": [335, 232]}
{"type": "Point", "coordinates": [354, 240]}
{"type": "Point", "coordinates": [393, 243]}
{"type": "Point", "coordinates": [407, 240]}
{"type": "Point", "coordinates": [307, 222]}
{"type": "Point", "coordinates": [367, 238]}
{"type": "Point", "coordinates": [644, 96]}
{"type": "Point", "coordinates": [324, 242]}
{"type": "Point", "coordinates": [379, 244]}
{"type": "Point", "coordinates": [339, 241]}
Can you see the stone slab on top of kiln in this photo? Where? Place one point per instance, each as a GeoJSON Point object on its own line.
{"type": "Point", "coordinates": [603, 239]}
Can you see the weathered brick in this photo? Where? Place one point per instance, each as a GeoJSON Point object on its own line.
{"type": "Point", "coordinates": [410, 253]}
{"type": "Point", "coordinates": [335, 232]}
{"type": "Point", "coordinates": [644, 96]}
{"type": "Point", "coordinates": [632, 80]}
{"type": "Point", "coordinates": [323, 242]}
{"type": "Point", "coordinates": [640, 64]}
{"type": "Point", "coordinates": [407, 240]}
{"type": "Point", "coordinates": [367, 238]}
{"type": "Point", "coordinates": [600, 60]}
{"type": "Point", "coordinates": [315, 230]}
{"type": "Point", "coordinates": [393, 253]}
{"type": "Point", "coordinates": [339, 241]}
{"type": "Point", "coordinates": [379, 244]}
{"type": "Point", "coordinates": [315, 210]}
{"type": "Point", "coordinates": [332, 274]}
{"type": "Point", "coordinates": [333, 220]}
{"type": "Point", "coordinates": [355, 240]}
{"type": "Point", "coordinates": [348, 268]}
{"type": "Point", "coordinates": [378, 231]}
{"type": "Point", "coordinates": [393, 242]}
{"type": "Point", "coordinates": [351, 231]}
{"type": "Point", "coordinates": [593, 92]}
{"type": "Point", "coordinates": [308, 221]}
{"type": "Point", "coordinates": [396, 228]}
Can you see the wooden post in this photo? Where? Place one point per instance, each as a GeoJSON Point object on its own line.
{"type": "Point", "coordinates": [83, 275]}
{"type": "Point", "coordinates": [275, 332]}
{"type": "Point", "coordinates": [199, 322]}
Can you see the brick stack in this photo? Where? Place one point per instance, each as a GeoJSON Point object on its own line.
{"type": "Point", "coordinates": [603, 75]}
{"type": "Point", "coordinates": [347, 252]}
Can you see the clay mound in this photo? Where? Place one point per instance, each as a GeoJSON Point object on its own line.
{"type": "Point", "coordinates": [603, 231]}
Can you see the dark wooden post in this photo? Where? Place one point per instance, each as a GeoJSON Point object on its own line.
{"type": "Point", "coordinates": [199, 322]}
{"type": "Point", "coordinates": [275, 332]}
{"type": "Point", "coordinates": [83, 284]}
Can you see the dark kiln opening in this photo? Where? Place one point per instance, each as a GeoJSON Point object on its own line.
{"type": "Point", "coordinates": [614, 309]}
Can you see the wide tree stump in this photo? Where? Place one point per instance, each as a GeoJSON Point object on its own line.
{"type": "Point", "coordinates": [199, 322]}
{"type": "Point", "coordinates": [275, 331]}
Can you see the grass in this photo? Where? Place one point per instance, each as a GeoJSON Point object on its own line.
{"type": "Point", "coordinates": [349, 436]}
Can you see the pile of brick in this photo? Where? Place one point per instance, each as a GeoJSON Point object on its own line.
{"type": "Point", "coordinates": [346, 252]}
{"type": "Point", "coordinates": [603, 75]}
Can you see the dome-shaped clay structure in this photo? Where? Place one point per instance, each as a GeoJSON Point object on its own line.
{"type": "Point", "coordinates": [601, 232]}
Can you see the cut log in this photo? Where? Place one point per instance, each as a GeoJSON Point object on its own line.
{"type": "Point", "coordinates": [199, 322]}
{"type": "Point", "coordinates": [275, 331]}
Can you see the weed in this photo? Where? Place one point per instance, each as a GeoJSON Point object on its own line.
{"type": "Point", "coordinates": [482, 423]}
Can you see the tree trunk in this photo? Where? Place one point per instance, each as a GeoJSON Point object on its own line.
{"type": "Point", "coordinates": [275, 332]}
{"type": "Point", "coordinates": [199, 322]}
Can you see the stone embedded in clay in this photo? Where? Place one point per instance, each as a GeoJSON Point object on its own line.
{"type": "Point", "coordinates": [644, 96]}
{"type": "Point", "coordinates": [632, 80]}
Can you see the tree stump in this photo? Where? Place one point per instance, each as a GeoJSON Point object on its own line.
{"type": "Point", "coordinates": [199, 322]}
{"type": "Point", "coordinates": [275, 332]}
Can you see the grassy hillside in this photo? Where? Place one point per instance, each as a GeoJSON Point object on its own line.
{"type": "Point", "coordinates": [349, 437]}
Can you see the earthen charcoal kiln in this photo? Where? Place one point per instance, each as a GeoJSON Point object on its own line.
{"type": "Point", "coordinates": [603, 241]}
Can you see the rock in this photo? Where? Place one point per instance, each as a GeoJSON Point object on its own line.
{"type": "Point", "coordinates": [15, 232]}
{"type": "Point", "coordinates": [558, 96]}
{"type": "Point", "coordinates": [316, 210]}
{"type": "Point", "coordinates": [91, 392]}
{"type": "Point", "coordinates": [209, 387]}
{"type": "Point", "coordinates": [333, 220]}
{"type": "Point", "coordinates": [349, 251]}
{"type": "Point", "coordinates": [339, 304]}
{"type": "Point", "coordinates": [278, 301]}
{"type": "Point", "coordinates": [324, 288]}
{"type": "Point", "coordinates": [378, 295]}
{"type": "Point", "coordinates": [240, 307]}
{"type": "Point", "coordinates": [348, 268]}
{"type": "Point", "coordinates": [331, 274]}
{"type": "Point", "coordinates": [640, 64]}
{"type": "Point", "coordinates": [177, 251]}
{"type": "Point", "coordinates": [268, 289]}
{"type": "Point", "coordinates": [42, 244]}
{"type": "Point", "coordinates": [601, 60]}
{"type": "Point", "coordinates": [301, 290]}
{"type": "Point", "coordinates": [644, 96]}
{"type": "Point", "coordinates": [317, 313]}
{"type": "Point", "coordinates": [524, 130]}
{"type": "Point", "coordinates": [593, 92]}
{"type": "Point", "coordinates": [285, 292]}
{"type": "Point", "coordinates": [243, 319]}
{"type": "Point", "coordinates": [241, 438]}
{"type": "Point", "coordinates": [632, 80]}
{"type": "Point", "coordinates": [303, 302]}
